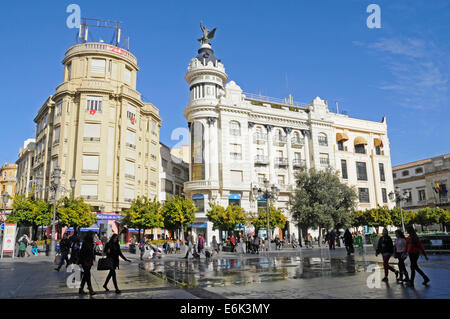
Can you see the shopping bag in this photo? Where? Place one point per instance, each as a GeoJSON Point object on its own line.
{"type": "Point", "coordinates": [105, 264]}
{"type": "Point", "coordinates": [57, 259]}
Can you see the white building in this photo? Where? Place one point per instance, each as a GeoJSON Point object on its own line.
{"type": "Point", "coordinates": [240, 139]}
{"type": "Point", "coordinates": [25, 164]}
{"type": "Point", "coordinates": [173, 172]}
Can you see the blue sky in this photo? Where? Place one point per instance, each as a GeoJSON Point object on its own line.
{"type": "Point", "coordinates": [323, 48]}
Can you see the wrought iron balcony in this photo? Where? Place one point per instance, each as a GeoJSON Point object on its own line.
{"type": "Point", "coordinates": [261, 160]}
{"type": "Point", "coordinates": [281, 161]}
{"type": "Point", "coordinates": [296, 163]}
{"type": "Point", "coordinates": [279, 140]}
{"type": "Point", "coordinates": [297, 142]}
{"type": "Point", "coordinates": [260, 138]}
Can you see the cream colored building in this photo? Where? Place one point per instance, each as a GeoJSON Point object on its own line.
{"type": "Point", "coordinates": [96, 128]}
{"type": "Point", "coordinates": [173, 172]}
{"type": "Point", "coordinates": [8, 180]}
{"type": "Point", "coordinates": [25, 164]}
{"type": "Point", "coordinates": [239, 139]}
{"type": "Point", "coordinates": [182, 152]}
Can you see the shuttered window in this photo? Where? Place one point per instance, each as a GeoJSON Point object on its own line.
{"type": "Point", "coordinates": [56, 135]}
{"type": "Point", "coordinates": [94, 103]}
{"type": "Point", "coordinates": [131, 139]}
{"type": "Point", "coordinates": [127, 75]}
{"type": "Point", "coordinates": [89, 190]}
{"type": "Point", "coordinates": [98, 66]}
{"type": "Point", "coordinates": [236, 177]}
{"type": "Point", "coordinates": [90, 163]}
{"type": "Point", "coordinates": [129, 194]}
{"type": "Point", "coordinates": [91, 131]}
{"type": "Point", "coordinates": [129, 169]}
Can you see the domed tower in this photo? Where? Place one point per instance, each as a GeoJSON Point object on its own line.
{"type": "Point", "coordinates": [206, 78]}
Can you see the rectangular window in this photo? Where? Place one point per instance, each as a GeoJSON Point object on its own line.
{"type": "Point", "coordinates": [344, 169]}
{"type": "Point", "coordinates": [361, 171]}
{"type": "Point", "coordinates": [236, 151]}
{"type": "Point", "coordinates": [69, 71]}
{"type": "Point", "coordinates": [127, 75]}
{"type": "Point", "coordinates": [94, 103]}
{"type": "Point", "coordinates": [131, 139]}
{"type": "Point", "coordinates": [340, 145]}
{"type": "Point", "coordinates": [90, 163]}
{"type": "Point", "coordinates": [129, 194]}
{"type": "Point", "coordinates": [405, 173]}
{"type": "Point", "coordinates": [378, 150]}
{"type": "Point", "coordinates": [200, 204]}
{"type": "Point", "coordinates": [363, 195]}
{"type": "Point", "coordinates": [323, 141]}
{"type": "Point", "coordinates": [59, 108]}
{"type": "Point", "coordinates": [384, 195]}
{"type": "Point", "coordinates": [382, 177]}
{"type": "Point", "coordinates": [360, 149]}
{"type": "Point", "coordinates": [168, 186]}
{"type": "Point", "coordinates": [56, 134]}
{"type": "Point", "coordinates": [91, 132]}
{"type": "Point", "coordinates": [98, 66]}
{"type": "Point", "coordinates": [131, 114]}
{"type": "Point", "coordinates": [419, 170]}
{"type": "Point", "coordinates": [129, 169]}
{"type": "Point", "coordinates": [421, 195]}
{"type": "Point", "coordinates": [324, 160]}
{"type": "Point", "coordinates": [89, 191]}
{"type": "Point", "coordinates": [280, 179]}
{"type": "Point", "coordinates": [261, 178]}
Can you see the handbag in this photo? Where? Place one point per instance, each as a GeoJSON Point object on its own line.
{"type": "Point", "coordinates": [105, 264]}
{"type": "Point", "coordinates": [57, 259]}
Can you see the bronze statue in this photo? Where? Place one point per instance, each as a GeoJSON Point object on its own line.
{"type": "Point", "coordinates": [207, 35]}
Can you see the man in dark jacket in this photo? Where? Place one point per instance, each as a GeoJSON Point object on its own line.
{"type": "Point", "coordinates": [386, 249]}
{"type": "Point", "coordinates": [64, 248]}
{"type": "Point", "coordinates": [331, 239]}
{"type": "Point", "coordinates": [74, 247]}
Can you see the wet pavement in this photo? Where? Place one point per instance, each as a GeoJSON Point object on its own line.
{"type": "Point", "coordinates": [316, 273]}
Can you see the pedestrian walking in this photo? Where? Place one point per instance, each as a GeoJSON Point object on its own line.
{"type": "Point", "coordinates": [413, 248]}
{"type": "Point", "coordinates": [331, 240]}
{"type": "Point", "coordinates": [190, 244]}
{"type": "Point", "coordinates": [86, 258]}
{"type": "Point", "coordinates": [214, 244]}
{"type": "Point", "coordinates": [400, 245]}
{"type": "Point", "coordinates": [141, 247]}
{"type": "Point", "coordinates": [294, 241]}
{"type": "Point", "coordinates": [348, 242]}
{"type": "Point", "coordinates": [112, 251]}
{"type": "Point", "coordinates": [386, 249]}
{"type": "Point", "coordinates": [75, 247]}
{"type": "Point", "coordinates": [201, 244]}
{"type": "Point", "coordinates": [310, 241]}
{"type": "Point", "coordinates": [232, 242]}
{"type": "Point", "coordinates": [64, 249]}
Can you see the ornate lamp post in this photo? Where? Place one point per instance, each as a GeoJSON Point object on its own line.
{"type": "Point", "coordinates": [73, 182]}
{"type": "Point", "coordinates": [399, 197]}
{"type": "Point", "coordinates": [270, 192]}
{"type": "Point", "coordinates": [5, 198]}
{"type": "Point", "coordinates": [54, 188]}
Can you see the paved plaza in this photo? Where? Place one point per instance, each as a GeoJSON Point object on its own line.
{"type": "Point", "coordinates": [288, 274]}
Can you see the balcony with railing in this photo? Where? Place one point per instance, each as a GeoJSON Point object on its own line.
{"type": "Point", "coordinates": [281, 161]}
{"type": "Point", "coordinates": [297, 163]}
{"type": "Point", "coordinates": [261, 160]}
{"type": "Point", "coordinates": [297, 142]}
{"type": "Point", "coordinates": [260, 138]}
{"type": "Point", "coordinates": [279, 140]}
{"type": "Point", "coordinates": [89, 171]}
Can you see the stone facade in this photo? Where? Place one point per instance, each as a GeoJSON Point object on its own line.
{"type": "Point", "coordinates": [96, 128]}
{"type": "Point", "coordinates": [8, 180]}
{"type": "Point", "coordinates": [25, 164]}
{"type": "Point", "coordinates": [173, 172]}
{"type": "Point", "coordinates": [239, 139]}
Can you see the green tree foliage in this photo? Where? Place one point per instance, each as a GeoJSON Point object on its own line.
{"type": "Point", "coordinates": [143, 213]}
{"type": "Point", "coordinates": [226, 219]}
{"type": "Point", "coordinates": [276, 218]}
{"type": "Point", "coordinates": [321, 200]}
{"type": "Point", "coordinates": [428, 216]}
{"type": "Point", "coordinates": [74, 212]}
{"type": "Point", "coordinates": [178, 212]}
{"type": "Point", "coordinates": [30, 212]}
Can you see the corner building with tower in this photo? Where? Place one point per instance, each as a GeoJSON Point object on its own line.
{"type": "Point", "coordinates": [238, 140]}
{"type": "Point", "coordinates": [97, 130]}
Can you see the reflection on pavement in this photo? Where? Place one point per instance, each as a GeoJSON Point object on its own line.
{"type": "Point", "coordinates": [244, 271]}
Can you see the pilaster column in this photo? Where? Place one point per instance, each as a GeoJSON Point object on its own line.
{"type": "Point", "coordinates": [213, 155]}
{"type": "Point", "coordinates": [270, 154]}
{"type": "Point", "coordinates": [306, 136]}
{"type": "Point", "coordinates": [290, 179]}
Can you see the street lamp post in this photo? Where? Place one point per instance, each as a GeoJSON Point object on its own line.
{"type": "Point", "coordinates": [54, 187]}
{"type": "Point", "coordinates": [399, 197]}
{"type": "Point", "coordinates": [5, 198]}
{"type": "Point", "coordinates": [73, 182]}
{"type": "Point", "coordinates": [269, 192]}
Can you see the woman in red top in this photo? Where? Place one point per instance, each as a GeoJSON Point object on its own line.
{"type": "Point", "coordinates": [413, 248]}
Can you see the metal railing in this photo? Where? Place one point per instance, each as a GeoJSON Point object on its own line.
{"type": "Point", "coordinates": [275, 100]}
{"type": "Point", "coordinates": [298, 162]}
{"type": "Point", "coordinates": [260, 138]}
{"type": "Point", "coordinates": [281, 161]}
{"type": "Point", "coordinates": [295, 142]}
{"type": "Point", "coordinates": [261, 159]}
{"type": "Point", "coordinates": [279, 139]}
{"type": "Point", "coordinates": [235, 132]}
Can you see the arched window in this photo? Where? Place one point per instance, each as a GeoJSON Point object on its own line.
{"type": "Point", "coordinates": [235, 128]}
{"type": "Point", "coordinates": [323, 139]}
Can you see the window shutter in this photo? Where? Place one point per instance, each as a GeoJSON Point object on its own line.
{"type": "Point", "coordinates": [129, 168]}
{"type": "Point", "coordinates": [89, 190]}
{"type": "Point", "coordinates": [91, 130]}
{"type": "Point", "coordinates": [90, 162]}
{"type": "Point", "coordinates": [236, 177]}
{"type": "Point", "coordinates": [131, 137]}
{"type": "Point", "coordinates": [98, 66]}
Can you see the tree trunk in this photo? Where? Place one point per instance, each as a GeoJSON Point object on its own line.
{"type": "Point", "coordinates": [34, 232]}
{"type": "Point", "coordinates": [320, 238]}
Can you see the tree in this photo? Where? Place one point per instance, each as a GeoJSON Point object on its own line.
{"type": "Point", "coordinates": [276, 218]}
{"type": "Point", "coordinates": [178, 213]}
{"type": "Point", "coordinates": [74, 212]}
{"type": "Point", "coordinates": [143, 214]}
{"type": "Point", "coordinates": [321, 200]}
{"type": "Point", "coordinates": [444, 219]}
{"type": "Point", "coordinates": [31, 212]}
{"type": "Point", "coordinates": [226, 219]}
{"type": "Point", "coordinates": [427, 216]}
{"type": "Point", "coordinates": [396, 217]}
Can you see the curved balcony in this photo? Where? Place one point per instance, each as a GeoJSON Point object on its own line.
{"type": "Point", "coordinates": [95, 47]}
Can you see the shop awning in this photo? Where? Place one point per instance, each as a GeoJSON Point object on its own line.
{"type": "Point", "coordinates": [198, 225]}
{"type": "Point", "coordinates": [378, 142]}
{"type": "Point", "coordinates": [93, 228]}
{"type": "Point", "coordinates": [198, 196]}
{"type": "Point", "coordinates": [360, 141]}
{"type": "Point", "coordinates": [341, 137]}
{"type": "Point", "coordinates": [234, 196]}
